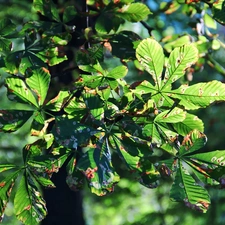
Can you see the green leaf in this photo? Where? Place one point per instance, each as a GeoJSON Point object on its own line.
{"type": "Point", "coordinates": [19, 91]}
{"type": "Point", "coordinates": [190, 123]}
{"type": "Point", "coordinates": [200, 94]}
{"type": "Point", "coordinates": [38, 80]}
{"type": "Point", "coordinates": [123, 44]}
{"type": "Point", "coordinates": [70, 133]}
{"type": "Point", "coordinates": [75, 178]}
{"type": "Point", "coordinates": [42, 167]}
{"type": "Point", "coordinates": [107, 22]}
{"type": "Point", "coordinates": [12, 120]}
{"type": "Point", "coordinates": [118, 72]}
{"type": "Point", "coordinates": [133, 12]}
{"type": "Point", "coordinates": [176, 41]}
{"type": "Point", "coordinates": [209, 21]}
{"type": "Point", "coordinates": [30, 207]}
{"type": "Point", "coordinates": [175, 116]}
{"type": "Point", "coordinates": [12, 61]}
{"type": "Point", "coordinates": [46, 8]}
{"type": "Point", "coordinates": [216, 157]}
{"type": "Point", "coordinates": [58, 102]}
{"type": "Point", "coordinates": [150, 54]}
{"type": "Point", "coordinates": [218, 11]}
{"type": "Point", "coordinates": [96, 165]}
{"type": "Point", "coordinates": [144, 172]}
{"type": "Point", "coordinates": [5, 44]}
{"type": "Point", "coordinates": [185, 189]}
{"type": "Point", "coordinates": [179, 60]}
{"type": "Point", "coordinates": [52, 56]}
{"type": "Point", "coordinates": [6, 186]}
{"type": "Point", "coordinates": [5, 167]}
{"type": "Point", "coordinates": [192, 142]}
{"type": "Point", "coordinates": [69, 13]}
{"type": "Point", "coordinates": [6, 27]}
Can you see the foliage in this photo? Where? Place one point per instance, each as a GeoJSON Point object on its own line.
{"type": "Point", "coordinates": [148, 124]}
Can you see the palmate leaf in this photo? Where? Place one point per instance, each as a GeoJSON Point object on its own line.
{"type": "Point", "coordinates": [100, 77]}
{"type": "Point", "coordinates": [5, 167]}
{"type": "Point", "coordinates": [200, 95]}
{"type": "Point", "coordinates": [42, 167]}
{"type": "Point", "coordinates": [38, 80]}
{"type": "Point", "coordinates": [149, 54]}
{"type": "Point", "coordinates": [132, 156]}
{"type": "Point", "coordinates": [12, 120]}
{"type": "Point", "coordinates": [6, 186]}
{"type": "Point", "coordinates": [30, 207]}
{"type": "Point", "coordinates": [187, 190]}
{"type": "Point", "coordinates": [203, 168]}
{"type": "Point", "coordinates": [96, 165]}
{"type": "Point", "coordinates": [161, 129]}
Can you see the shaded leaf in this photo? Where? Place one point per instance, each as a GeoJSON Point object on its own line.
{"type": "Point", "coordinates": [96, 165]}
{"type": "Point", "coordinates": [46, 8]}
{"type": "Point", "coordinates": [218, 10]}
{"type": "Point", "coordinates": [70, 133]}
{"type": "Point", "coordinates": [69, 13]}
{"type": "Point", "coordinates": [12, 120]}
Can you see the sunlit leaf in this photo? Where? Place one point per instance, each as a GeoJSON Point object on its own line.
{"type": "Point", "coordinates": [6, 186]}
{"type": "Point", "coordinates": [185, 189]}
{"type": "Point", "coordinates": [30, 207]}
{"type": "Point", "coordinates": [200, 94]}
{"type": "Point", "coordinates": [19, 91]}
{"type": "Point", "coordinates": [38, 80]}
{"type": "Point", "coordinates": [180, 59]}
{"type": "Point", "coordinates": [190, 123]}
{"type": "Point", "coordinates": [192, 142]}
{"type": "Point", "coordinates": [150, 54]}
{"type": "Point", "coordinates": [133, 12]}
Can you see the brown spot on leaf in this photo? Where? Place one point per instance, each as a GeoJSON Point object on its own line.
{"type": "Point", "coordinates": [2, 184]}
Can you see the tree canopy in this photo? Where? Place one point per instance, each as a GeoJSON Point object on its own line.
{"type": "Point", "coordinates": [140, 113]}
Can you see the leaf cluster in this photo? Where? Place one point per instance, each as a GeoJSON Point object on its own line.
{"type": "Point", "coordinates": [148, 123]}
